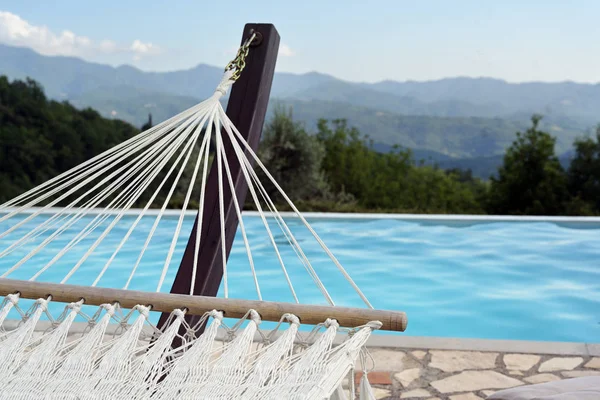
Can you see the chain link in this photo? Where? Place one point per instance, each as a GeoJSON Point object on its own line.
{"type": "Point", "coordinates": [239, 62]}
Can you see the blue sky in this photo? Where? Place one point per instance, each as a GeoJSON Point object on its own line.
{"type": "Point", "coordinates": [354, 40]}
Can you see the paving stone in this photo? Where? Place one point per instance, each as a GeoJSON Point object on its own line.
{"type": "Point", "coordinates": [593, 349]}
{"type": "Point", "coordinates": [375, 377]}
{"type": "Point", "coordinates": [541, 378]}
{"type": "Point", "coordinates": [475, 380]}
{"type": "Point", "coordinates": [433, 398]}
{"type": "Point", "coordinates": [521, 362]}
{"type": "Point", "coordinates": [593, 363]}
{"type": "Point", "coordinates": [417, 393]}
{"type": "Point", "coordinates": [381, 393]}
{"type": "Point", "coordinates": [577, 374]}
{"type": "Point", "coordinates": [515, 373]}
{"type": "Point", "coordinates": [419, 354]}
{"type": "Point", "coordinates": [389, 360]}
{"type": "Point", "coordinates": [453, 361]}
{"type": "Point", "coordinates": [488, 393]}
{"type": "Point", "coordinates": [560, 364]}
{"type": "Point", "coordinates": [466, 396]}
{"type": "Point", "coordinates": [406, 377]}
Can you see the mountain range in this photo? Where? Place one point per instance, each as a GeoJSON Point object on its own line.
{"type": "Point", "coordinates": [445, 121]}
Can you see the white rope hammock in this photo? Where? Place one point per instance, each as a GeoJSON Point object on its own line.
{"type": "Point", "coordinates": [129, 365]}
{"type": "Point", "coordinates": [109, 185]}
{"type": "Point", "coordinates": [124, 355]}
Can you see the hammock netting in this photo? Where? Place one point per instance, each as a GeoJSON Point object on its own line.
{"type": "Point", "coordinates": [50, 350]}
{"type": "Point", "coordinates": [131, 359]}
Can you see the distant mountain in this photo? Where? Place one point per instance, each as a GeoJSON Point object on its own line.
{"type": "Point", "coordinates": [431, 138]}
{"type": "Point", "coordinates": [133, 104]}
{"type": "Point", "coordinates": [481, 167]}
{"type": "Point", "coordinates": [485, 167]}
{"type": "Point", "coordinates": [473, 97]}
{"type": "Point", "coordinates": [69, 77]}
{"type": "Point", "coordinates": [462, 137]}
{"type": "Point", "coordinates": [455, 117]}
{"type": "Point", "coordinates": [345, 92]}
{"type": "Point", "coordinates": [561, 99]}
{"type": "Point", "coordinates": [285, 83]}
{"type": "Point", "coordinates": [428, 157]}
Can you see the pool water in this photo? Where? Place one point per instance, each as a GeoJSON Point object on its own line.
{"type": "Point", "coordinates": [496, 280]}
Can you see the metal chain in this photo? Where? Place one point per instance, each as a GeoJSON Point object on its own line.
{"type": "Point", "coordinates": [239, 62]}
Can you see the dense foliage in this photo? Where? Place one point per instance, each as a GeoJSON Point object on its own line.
{"type": "Point", "coordinates": [291, 155]}
{"type": "Point", "coordinates": [389, 181]}
{"type": "Point", "coordinates": [335, 168]}
{"type": "Point", "coordinates": [531, 180]}
{"type": "Point", "coordinates": [40, 138]}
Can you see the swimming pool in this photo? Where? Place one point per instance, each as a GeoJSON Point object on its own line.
{"type": "Point", "coordinates": [532, 280]}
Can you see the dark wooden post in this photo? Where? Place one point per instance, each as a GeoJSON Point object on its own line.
{"type": "Point", "coordinates": [247, 108]}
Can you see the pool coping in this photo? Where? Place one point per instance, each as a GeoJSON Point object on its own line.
{"type": "Point", "coordinates": [408, 342]}
{"type": "Point", "coordinates": [487, 345]}
{"type": "Point", "coordinates": [326, 215]}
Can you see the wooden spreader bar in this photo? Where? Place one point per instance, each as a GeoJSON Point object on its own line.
{"type": "Point", "coordinates": [198, 305]}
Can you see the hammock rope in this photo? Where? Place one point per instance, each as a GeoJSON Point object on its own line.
{"type": "Point", "coordinates": [130, 365]}
{"type": "Point", "coordinates": [180, 146]}
{"type": "Point", "coordinates": [124, 355]}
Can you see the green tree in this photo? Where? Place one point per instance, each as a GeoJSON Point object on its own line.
{"type": "Point", "coordinates": [531, 181]}
{"type": "Point", "coordinates": [293, 158]}
{"type": "Point", "coordinates": [349, 162]}
{"type": "Point", "coordinates": [583, 175]}
{"type": "Point", "coordinates": [390, 181]}
{"type": "Point", "coordinates": [40, 138]}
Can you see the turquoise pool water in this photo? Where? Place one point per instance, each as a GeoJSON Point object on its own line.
{"type": "Point", "coordinates": [498, 280]}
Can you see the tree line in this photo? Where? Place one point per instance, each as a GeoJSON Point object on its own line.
{"type": "Point", "coordinates": [334, 168]}
{"type": "Point", "coordinates": [337, 169]}
{"type": "Point", "coordinates": [39, 138]}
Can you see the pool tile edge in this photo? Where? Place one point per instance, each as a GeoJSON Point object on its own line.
{"type": "Point", "coordinates": [503, 346]}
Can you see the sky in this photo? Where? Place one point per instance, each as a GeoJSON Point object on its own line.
{"type": "Point", "coordinates": [354, 40]}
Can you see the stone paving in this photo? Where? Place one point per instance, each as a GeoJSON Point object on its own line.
{"type": "Point", "coordinates": [466, 375]}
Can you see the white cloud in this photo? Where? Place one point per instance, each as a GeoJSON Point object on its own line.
{"type": "Point", "coordinates": [141, 49]}
{"type": "Point", "coordinates": [16, 31]}
{"type": "Point", "coordinates": [286, 51]}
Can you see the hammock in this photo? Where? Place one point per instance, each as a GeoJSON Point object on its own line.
{"type": "Point", "coordinates": [93, 340]}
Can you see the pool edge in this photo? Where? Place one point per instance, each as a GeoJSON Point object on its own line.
{"type": "Point", "coordinates": [338, 215]}
{"type": "Point", "coordinates": [489, 345]}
